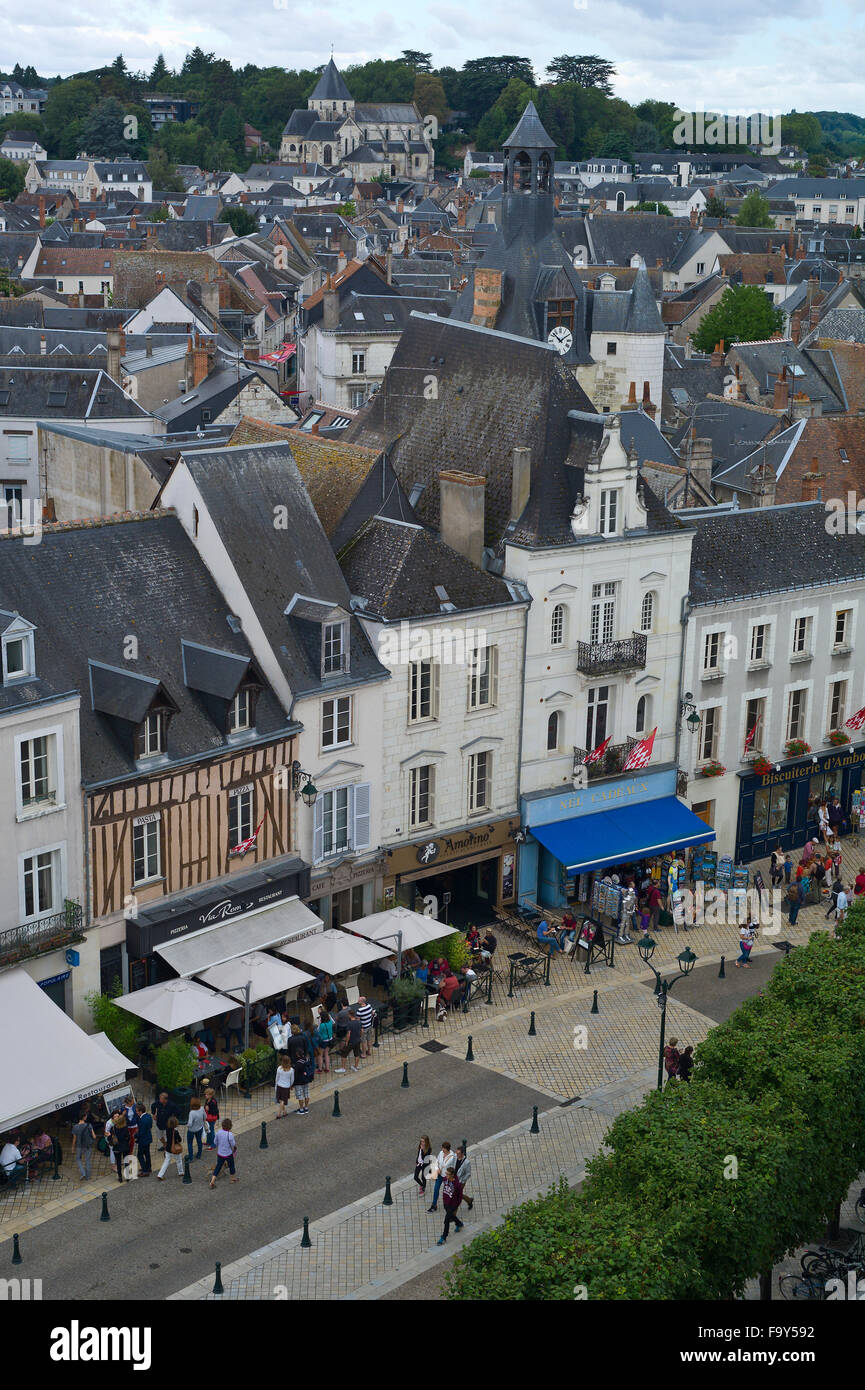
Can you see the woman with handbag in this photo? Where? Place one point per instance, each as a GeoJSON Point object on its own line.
{"type": "Point", "coordinates": [211, 1115]}
{"type": "Point", "coordinates": [424, 1164]}
{"type": "Point", "coordinates": [118, 1140]}
{"type": "Point", "coordinates": [173, 1147]}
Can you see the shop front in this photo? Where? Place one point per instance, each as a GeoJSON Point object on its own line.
{"type": "Point", "coordinates": [347, 890]}
{"type": "Point", "coordinates": [780, 807]}
{"type": "Point", "coordinates": [241, 895]}
{"type": "Point", "coordinates": [459, 877]}
{"type": "Point", "coordinates": [574, 836]}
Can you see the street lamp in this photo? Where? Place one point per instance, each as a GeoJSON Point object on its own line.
{"type": "Point", "coordinates": [693, 718]}
{"type": "Point", "coordinates": [686, 962]}
{"type": "Point", "coordinates": [308, 790]}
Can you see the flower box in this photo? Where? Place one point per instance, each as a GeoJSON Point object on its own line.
{"type": "Point", "coordinates": [713, 769]}
{"type": "Point", "coordinates": [761, 765]}
{"type": "Point", "coordinates": [796, 748]}
{"type": "Point", "coordinates": [837, 737]}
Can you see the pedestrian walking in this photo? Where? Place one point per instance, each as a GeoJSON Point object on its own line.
{"type": "Point", "coordinates": [686, 1064]}
{"type": "Point", "coordinates": [823, 821]}
{"type": "Point", "coordinates": [859, 884]}
{"type": "Point", "coordinates": [747, 937]}
{"type": "Point", "coordinates": [284, 1083]}
{"type": "Point", "coordinates": [795, 897]}
{"type": "Point", "coordinates": [145, 1139]}
{"type": "Point", "coordinates": [671, 1058]}
{"type": "Point", "coordinates": [836, 817]}
{"type": "Point", "coordinates": [464, 1172]}
{"type": "Point", "coordinates": [422, 1163]}
{"type": "Point", "coordinates": [211, 1113]}
{"type": "Point", "coordinates": [295, 1047]}
{"type": "Point", "coordinates": [445, 1164]}
{"type": "Point", "coordinates": [452, 1195]}
{"type": "Point", "coordinates": [366, 1014]}
{"type": "Point", "coordinates": [842, 902]}
{"type": "Point", "coordinates": [195, 1123]}
{"type": "Point", "coordinates": [119, 1141]}
{"type": "Point", "coordinates": [83, 1140]}
{"type": "Point", "coordinates": [776, 868]}
{"type": "Point", "coordinates": [130, 1110]}
{"type": "Point", "coordinates": [323, 1039]}
{"type": "Point", "coordinates": [173, 1148]}
{"type": "Point", "coordinates": [304, 1070]}
{"type": "Point", "coordinates": [161, 1110]}
{"type": "Point", "coordinates": [226, 1148]}
{"type": "Point", "coordinates": [351, 1042]}
{"type": "Point", "coordinates": [837, 887]}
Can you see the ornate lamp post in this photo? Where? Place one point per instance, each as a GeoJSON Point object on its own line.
{"type": "Point", "coordinates": [686, 962]}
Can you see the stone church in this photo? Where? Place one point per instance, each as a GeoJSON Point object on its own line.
{"type": "Point", "coordinates": [526, 284]}
{"type": "Point", "coordinates": [369, 141]}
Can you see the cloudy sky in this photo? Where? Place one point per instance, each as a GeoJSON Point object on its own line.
{"type": "Point", "coordinates": [729, 57]}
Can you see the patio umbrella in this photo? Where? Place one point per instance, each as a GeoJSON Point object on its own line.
{"type": "Point", "coordinates": [176, 1004]}
{"type": "Point", "coordinates": [332, 951]}
{"type": "Point", "coordinates": [264, 974]}
{"type": "Point", "coordinates": [402, 928]}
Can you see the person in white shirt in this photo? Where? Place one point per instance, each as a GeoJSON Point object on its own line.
{"type": "Point", "coordinates": [11, 1161]}
{"type": "Point", "coordinates": [284, 1083]}
{"type": "Point", "coordinates": [446, 1163]}
{"type": "Point", "coordinates": [842, 902]}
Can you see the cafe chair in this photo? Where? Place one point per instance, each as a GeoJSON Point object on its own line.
{"type": "Point", "coordinates": [352, 994]}
{"type": "Point", "coordinates": [232, 1079]}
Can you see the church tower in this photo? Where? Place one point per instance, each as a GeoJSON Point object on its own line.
{"type": "Point", "coordinates": [529, 203]}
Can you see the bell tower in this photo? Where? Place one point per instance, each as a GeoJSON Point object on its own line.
{"type": "Point", "coordinates": [529, 204]}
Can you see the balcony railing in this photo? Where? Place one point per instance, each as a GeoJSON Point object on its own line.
{"type": "Point", "coordinates": [48, 934]}
{"type": "Point", "coordinates": [610, 764]}
{"type": "Point", "coordinates": [606, 658]}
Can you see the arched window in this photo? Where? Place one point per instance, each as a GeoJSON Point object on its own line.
{"type": "Point", "coordinates": [553, 732]}
{"type": "Point", "coordinates": [557, 626]}
{"type": "Point", "coordinates": [620, 201]}
{"type": "Point", "coordinates": [545, 169]}
{"type": "Point", "coordinates": [328, 155]}
{"type": "Point", "coordinates": [647, 612]}
{"type": "Point", "coordinates": [644, 708]}
{"type": "Point", "coordinates": [522, 180]}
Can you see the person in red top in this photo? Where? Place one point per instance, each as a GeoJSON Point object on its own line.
{"type": "Point", "coordinates": [450, 989]}
{"type": "Point", "coordinates": [859, 883]}
{"type": "Point", "coordinates": [653, 898]}
{"type": "Point", "coordinates": [452, 1195]}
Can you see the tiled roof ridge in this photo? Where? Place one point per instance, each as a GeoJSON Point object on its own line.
{"type": "Point", "coordinates": [741, 405]}
{"type": "Point", "coordinates": [88, 523]}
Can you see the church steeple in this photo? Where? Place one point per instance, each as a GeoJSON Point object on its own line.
{"type": "Point", "coordinates": [528, 185]}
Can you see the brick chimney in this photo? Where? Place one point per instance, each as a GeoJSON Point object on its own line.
{"type": "Point", "coordinates": [115, 340]}
{"type": "Point", "coordinates": [796, 327]}
{"type": "Point", "coordinates": [649, 408]}
{"type": "Point", "coordinates": [764, 485]}
{"type": "Point", "coordinates": [718, 354]}
{"type": "Point", "coordinates": [803, 408]}
{"type": "Point", "coordinates": [133, 223]}
{"type": "Point", "coordinates": [487, 296]}
{"type": "Point", "coordinates": [224, 292]}
{"type": "Point", "coordinates": [197, 360]}
{"type": "Point", "coordinates": [812, 482]}
{"type": "Point", "coordinates": [800, 253]}
{"type": "Point", "coordinates": [693, 216]}
{"type": "Point", "coordinates": [781, 396]}
{"type": "Point", "coordinates": [631, 402]}
{"type": "Point", "coordinates": [461, 217]}
{"type": "Point", "coordinates": [41, 210]}
{"type": "Point", "coordinates": [462, 513]}
{"type": "Point", "coordinates": [521, 481]}
{"type": "Point", "coordinates": [701, 461]}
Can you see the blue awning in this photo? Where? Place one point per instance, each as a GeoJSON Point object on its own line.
{"type": "Point", "coordinates": [630, 832]}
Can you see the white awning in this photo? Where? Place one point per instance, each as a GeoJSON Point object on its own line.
{"type": "Point", "coordinates": [266, 976]}
{"type": "Point", "coordinates": [255, 931]}
{"type": "Point", "coordinates": [48, 1061]}
{"type": "Point", "coordinates": [333, 951]}
{"type": "Point", "coordinates": [114, 1054]}
{"type": "Point", "coordinates": [416, 928]}
{"type": "Point", "coordinates": [176, 1004]}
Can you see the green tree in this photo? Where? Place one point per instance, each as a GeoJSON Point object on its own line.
{"type": "Point", "coordinates": [241, 222]}
{"type": "Point", "coordinates": [66, 109]}
{"type": "Point", "coordinates": [11, 179]}
{"type": "Point", "coordinates": [159, 74]}
{"type": "Point", "coordinates": [120, 1028]}
{"type": "Point", "coordinates": [163, 174]}
{"type": "Point", "coordinates": [348, 209]}
{"type": "Point", "coordinates": [160, 214]}
{"type": "Point", "coordinates": [502, 117]}
{"type": "Point", "coordinates": [196, 63]}
{"type": "Point", "coordinates": [429, 96]}
{"type": "Point", "coordinates": [660, 208]}
{"type": "Point", "coordinates": [103, 131]}
{"type": "Point", "coordinates": [743, 314]}
{"type": "Point", "coordinates": [646, 136]}
{"type": "Point", "coordinates": [616, 144]}
{"type": "Point", "coordinates": [230, 130]}
{"type": "Point", "coordinates": [413, 58]}
{"type": "Point", "coordinates": [715, 207]}
{"type": "Point", "coordinates": [586, 70]}
{"type": "Point", "coordinates": [754, 211]}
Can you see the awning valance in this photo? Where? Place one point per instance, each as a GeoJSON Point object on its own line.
{"type": "Point", "coordinates": [255, 931]}
{"type": "Point", "coordinates": [628, 833]}
{"type": "Point", "coordinates": [57, 1063]}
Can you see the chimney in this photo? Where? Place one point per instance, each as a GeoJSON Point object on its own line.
{"type": "Point", "coordinates": [400, 205]}
{"type": "Point", "coordinates": [148, 346]}
{"type": "Point", "coordinates": [718, 354]}
{"type": "Point", "coordinates": [487, 296]}
{"type": "Point", "coordinates": [461, 498]}
{"type": "Point", "coordinates": [649, 408]}
{"type": "Point", "coordinates": [631, 402]}
{"type": "Point", "coordinates": [341, 263]}
{"type": "Point", "coordinates": [796, 327]}
{"type": "Point", "coordinates": [701, 461]}
{"type": "Point", "coordinates": [521, 481]}
{"type": "Point", "coordinates": [116, 341]}
{"type": "Point", "coordinates": [659, 263]}
{"type": "Point", "coordinates": [315, 427]}
{"type": "Point", "coordinates": [693, 217]}
{"type": "Point", "coordinates": [133, 223]}
{"type": "Point", "coordinates": [461, 217]}
{"type": "Point", "coordinates": [803, 408]}
{"type": "Point", "coordinates": [763, 486]}
{"type": "Point", "coordinates": [43, 346]}
{"type": "Point", "coordinates": [41, 210]}
{"type": "Point", "coordinates": [224, 292]}
{"type": "Point", "coordinates": [800, 253]}
{"type": "Point", "coordinates": [812, 482]}
{"type": "Point", "coordinates": [197, 360]}
{"type": "Point", "coordinates": [689, 349]}
{"type": "Point", "coordinates": [388, 265]}
{"type": "Point", "coordinates": [330, 307]}
{"type": "Point", "coordinates": [780, 399]}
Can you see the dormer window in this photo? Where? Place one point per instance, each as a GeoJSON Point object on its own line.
{"type": "Point", "coordinates": [334, 653]}
{"type": "Point", "coordinates": [18, 659]}
{"type": "Point", "coordinates": [241, 711]}
{"type": "Point", "coordinates": [151, 735]}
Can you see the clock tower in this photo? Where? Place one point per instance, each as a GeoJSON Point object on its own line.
{"type": "Point", "coordinates": [529, 201]}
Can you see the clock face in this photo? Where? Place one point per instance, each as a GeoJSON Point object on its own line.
{"type": "Point", "coordinates": [561, 339]}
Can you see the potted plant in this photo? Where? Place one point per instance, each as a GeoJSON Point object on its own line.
{"type": "Point", "coordinates": [406, 997]}
{"type": "Point", "coordinates": [761, 765]}
{"type": "Point", "coordinates": [712, 769]}
{"type": "Point", "coordinates": [175, 1068]}
{"type": "Point", "coordinates": [837, 737]}
{"type": "Point", "coordinates": [796, 748]}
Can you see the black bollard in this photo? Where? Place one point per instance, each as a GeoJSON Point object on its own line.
{"type": "Point", "coordinates": [533, 1032]}
{"type": "Point", "coordinates": [594, 1009]}
{"type": "Point", "coordinates": [470, 1056]}
{"type": "Point", "coordinates": [55, 1143]}
{"type": "Point", "coordinates": [262, 1143]}
{"type": "Point", "coordinates": [336, 1113]}
{"type": "Point", "coordinates": [387, 1200]}
{"type": "Point", "coordinates": [377, 1027]}
{"type": "Point", "coordinates": [187, 1176]}
{"type": "Point", "coordinates": [104, 1214]}
{"type": "Point", "coordinates": [16, 1252]}
{"type": "Point", "coordinates": [405, 1080]}
{"type": "Point", "coordinates": [217, 1283]}
{"type": "Point", "coordinates": [534, 1129]}
{"type": "Point", "coordinates": [722, 974]}
{"type": "Point", "coordinates": [306, 1243]}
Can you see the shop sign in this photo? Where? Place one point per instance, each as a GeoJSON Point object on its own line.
{"type": "Point", "coordinates": [602, 796]}
{"type": "Point", "coordinates": [430, 853]}
{"type": "Point", "coordinates": [834, 762]}
{"type": "Point", "coordinates": [54, 980]}
{"type": "Point", "coordinates": [345, 876]}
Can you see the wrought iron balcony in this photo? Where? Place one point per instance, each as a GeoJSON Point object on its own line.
{"type": "Point", "coordinates": [610, 765]}
{"type": "Point", "coordinates": [607, 658]}
{"type": "Point", "coordinates": [48, 934]}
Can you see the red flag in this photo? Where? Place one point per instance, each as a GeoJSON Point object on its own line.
{"type": "Point", "coordinates": [247, 844]}
{"type": "Point", "coordinates": [750, 738]}
{"type": "Point", "coordinates": [640, 753]}
{"type": "Point", "coordinates": [597, 753]}
{"type": "Point", "coordinates": [856, 720]}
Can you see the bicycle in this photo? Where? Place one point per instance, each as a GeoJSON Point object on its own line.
{"type": "Point", "coordinates": [798, 1286]}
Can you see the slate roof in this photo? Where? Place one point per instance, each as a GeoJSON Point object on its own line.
{"type": "Point", "coordinates": [63, 392]}
{"type": "Point", "coordinates": [396, 567]}
{"type": "Point", "coordinates": [773, 454]}
{"type": "Point", "coordinates": [769, 550]}
{"type": "Point", "coordinates": [765, 362]}
{"type": "Point", "coordinates": [83, 585]}
{"type": "Point", "coordinates": [331, 85]}
{"type": "Point", "coordinates": [846, 325]}
{"type": "Point", "coordinates": [734, 428]}
{"type": "Point", "coordinates": [529, 133]}
{"type": "Point", "coordinates": [202, 208]}
{"type": "Point", "coordinates": [615, 237]}
{"type": "Point", "coordinates": [214, 393]}
{"type": "Point", "coordinates": [241, 487]}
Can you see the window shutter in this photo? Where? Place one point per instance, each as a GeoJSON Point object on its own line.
{"type": "Point", "coordinates": [432, 796]}
{"type": "Point", "coordinates": [361, 815]}
{"type": "Point", "coordinates": [493, 658]}
{"type": "Point", "coordinates": [318, 829]}
{"type": "Point", "coordinates": [434, 688]}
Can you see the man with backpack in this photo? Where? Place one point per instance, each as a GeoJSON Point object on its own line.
{"type": "Point", "coordinates": [452, 1195]}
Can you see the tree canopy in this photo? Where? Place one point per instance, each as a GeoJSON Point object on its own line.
{"type": "Point", "coordinates": [754, 211]}
{"type": "Point", "coordinates": [743, 314]}
{"type": "Point", "coordinates": [585, 70]}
